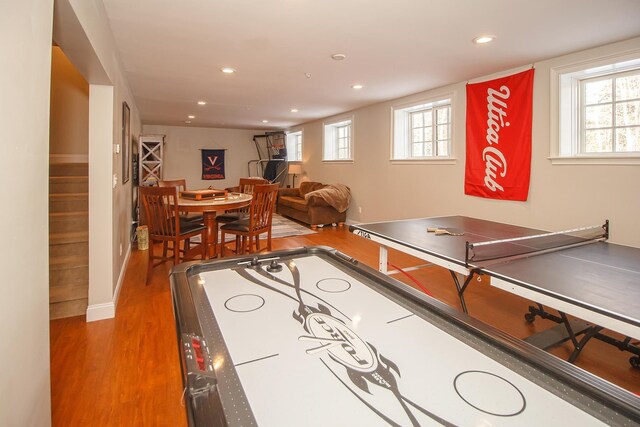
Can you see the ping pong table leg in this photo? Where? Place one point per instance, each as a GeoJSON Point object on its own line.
{"type": "Point", "coordinates": [382, 259]}
{"type": "Point", "coordinates": [462, 288]}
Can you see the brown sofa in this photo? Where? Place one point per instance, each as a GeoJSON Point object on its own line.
{"type": "Point", "coordinates": [314, 209]}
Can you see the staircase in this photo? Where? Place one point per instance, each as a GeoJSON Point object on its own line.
{"type": "Point", "coordinates": [68, 239]}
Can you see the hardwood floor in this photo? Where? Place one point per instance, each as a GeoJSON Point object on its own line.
{"type": "Point", "coordinates": [125, 371]}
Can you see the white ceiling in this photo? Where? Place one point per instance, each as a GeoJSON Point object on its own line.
{"type": "Point", "coordinates": [173, 50]}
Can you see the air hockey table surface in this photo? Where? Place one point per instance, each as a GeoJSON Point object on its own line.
{"type": "Point", "coordinates": [310, 337]}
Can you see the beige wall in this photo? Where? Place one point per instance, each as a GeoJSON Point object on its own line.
{"type": "Point", "coordinates": [69, 123]}
{"type": "Point", "coordinates": [182, 152]}
{"type": "Point", "coordinates": [25, 43]}
{"type": "Point", "coordinates": [560, 196]}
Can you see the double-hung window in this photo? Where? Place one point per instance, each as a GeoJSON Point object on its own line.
{"type": "Point", "coordinates": [294, 146]}
{"type": "Point", "coordinates": [338, 140]}
{"type": "Point", "coordinates": [610, 113]}
{"type": "Point", "coordinates": [598, 116]}
{"type": "Point", "coordinates": [422, 130]}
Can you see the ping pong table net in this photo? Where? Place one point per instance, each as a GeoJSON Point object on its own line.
{"type": "Point", "coordinates": [493, 251]}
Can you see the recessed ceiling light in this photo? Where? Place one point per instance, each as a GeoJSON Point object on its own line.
{"type": "Point", "coordinates": [484, 39]}
{"type": "Point", "coordinates": [202, 102]}
{"type": "Point", "coordinates": [192, 117]}
{"type": "Point", "coordinates": [338, 56]}
{"type": "Point", "coordinates": [265, 121]}
{"type": "Point", "coordinates": [357, 86]}
{"type": "Point", "coordinates": [228, 70]}
{"type": "Point", "coordinates": [294, 110]}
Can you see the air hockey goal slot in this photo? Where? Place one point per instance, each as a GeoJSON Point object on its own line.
{"type": "Point", "coordinates": [198, 363]}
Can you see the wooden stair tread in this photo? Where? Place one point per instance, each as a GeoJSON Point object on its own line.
{"type": "Point", "coordinates": [81, 196]}
{"type": "Point", "coordinates": [69, 261]}
{"type": "Point", "coordinates": [69, 178]}
{"type": "Point", "coordinates": [66, 238]}
{"type": "Point", "coordinates": [69, 214]}
{"type": "Point", "coordinates": [68, 292]}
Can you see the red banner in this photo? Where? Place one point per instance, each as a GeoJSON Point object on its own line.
{"type": "Point", "coordinates": [499, 137]}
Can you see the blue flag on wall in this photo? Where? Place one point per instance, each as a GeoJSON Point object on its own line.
{"type": "Point", "coordinates": [212, 164]}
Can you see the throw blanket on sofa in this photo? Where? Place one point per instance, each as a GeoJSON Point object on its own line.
{"type": "Point", "coordinates": [336, 195]}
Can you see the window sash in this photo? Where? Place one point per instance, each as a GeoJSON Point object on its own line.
{"type": "Point", "coordinates": [338, 140]}
{"type": "Point", "coordinates": [428, 122]}
{"type": "Point", "coordinates": [606, 137]}
{"type": "Point", "coordinates": [294, 146]}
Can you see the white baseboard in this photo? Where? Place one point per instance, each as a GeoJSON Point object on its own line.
{"type": "Point", "coordinates": [68, 158]}
{"type": "Point", "coordinates": [101, 311]}
{"type": "Point", "coordinates": [108, 310]}
{"type": "Point", "coordinates": [123, 270]}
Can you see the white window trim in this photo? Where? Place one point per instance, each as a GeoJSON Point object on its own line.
{"type": "Point", "coordinates": [301, 132]}
{"type": "Point", "coordinates": [569, 129]}
{"type": "Point", "coordinates": [442, 160]}
{"type": "Point", "coordinates": [335, 121]}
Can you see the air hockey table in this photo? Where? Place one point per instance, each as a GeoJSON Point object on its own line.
{"type": "Point", "coordinates": [312, 337]}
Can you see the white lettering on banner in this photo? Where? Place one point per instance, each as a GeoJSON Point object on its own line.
{"type": "Point", "coordinates": [492, 156]}
{"type": "Point", "coordinates": [494, 159]}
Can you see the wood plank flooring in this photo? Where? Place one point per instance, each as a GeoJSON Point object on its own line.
{"type": "Point", "coordinates": [125, 371]}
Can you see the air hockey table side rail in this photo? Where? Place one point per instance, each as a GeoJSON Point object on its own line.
{"type": "Point", "coordinates": [203, 391]}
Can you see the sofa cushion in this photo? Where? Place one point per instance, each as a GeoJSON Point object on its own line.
{"type": "Point", "coordinates": [309, 186]}
{"type": "Point", "coordinates": [297, 203]}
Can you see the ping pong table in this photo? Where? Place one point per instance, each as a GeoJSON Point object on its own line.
{"type": "Point", "coordinates": [591, 279]}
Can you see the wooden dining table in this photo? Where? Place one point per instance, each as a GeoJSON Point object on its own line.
{"type": "Point", "coordinates": [209, 208]}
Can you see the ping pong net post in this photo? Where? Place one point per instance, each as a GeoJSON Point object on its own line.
{"type": "Point", "coordinates": [504, 249]}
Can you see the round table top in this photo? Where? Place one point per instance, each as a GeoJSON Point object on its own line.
{"type": "Point", "coordinates": [232, 201]}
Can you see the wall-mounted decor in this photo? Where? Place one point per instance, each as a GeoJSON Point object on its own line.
{"type": "Point", "coordinates": [212, 164]}
{"type": "Point", "coordinates": [498, 162]}
{"type": "Point", "coordinates": [126, 142]}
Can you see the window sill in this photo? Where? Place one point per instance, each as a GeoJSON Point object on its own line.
{"type": "Point", "coordinates": [337, 161]}
{"type": "Point", "coordinates": [433, 161]}
{"type": "Point", "coordinates": [596, 160]}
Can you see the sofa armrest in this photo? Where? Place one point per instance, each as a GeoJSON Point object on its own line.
{"type": "Point", "coordinates": [292, 192]}
{"type": "Point", "coordinates": [317, 201]}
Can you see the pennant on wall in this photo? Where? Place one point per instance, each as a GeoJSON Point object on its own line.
{"type": "Point", "coordinates": [212, 164]}
{"type": "Point", "coordinates": [498, 163]}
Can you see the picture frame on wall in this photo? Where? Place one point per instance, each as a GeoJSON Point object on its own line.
{"type": "Point", "coordinates": [126, 142]}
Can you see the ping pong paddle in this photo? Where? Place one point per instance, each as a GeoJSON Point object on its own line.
{"type": "Point", "coordinates": [439, 231]}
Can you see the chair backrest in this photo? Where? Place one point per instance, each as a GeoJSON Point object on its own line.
{"type": "Point", "coordinates": [161, 206]}
{"type": "Point", "coordinates": [180, 183]}
{"type": "Point", "coordinates": [262, 206]}
{"type": "Point", "coordinates": [247, 184]}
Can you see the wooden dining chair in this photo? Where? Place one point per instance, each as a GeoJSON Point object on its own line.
{"type": "Point", "coordinates": [163, 220]}
{"type": "Point", "coordinates": [181, 184]}
{"type": "Point", "coordinates": [246, 186]}
{"type": "Point", "coordinates": [258, 221]}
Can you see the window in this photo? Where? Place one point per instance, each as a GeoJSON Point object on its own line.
{"type": "Point", "coordinates": [422, 131]}
{"type": "Point", "coordinates": [610, 113]}
{"type": "Point", "coordinates": [338, 140]}
{"type": "Point", "coordinates": [294, 146]}
{"type": "Point", "coordinates": [598, 120]}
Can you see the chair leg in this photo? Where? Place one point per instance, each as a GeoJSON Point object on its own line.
{"type": "Point", "coordinates": [203, 245]}
{"type": "Point", "coordinates": [176, 252]}
{"type": "Point", "coordinates": [150, 263]}
{"type": "Point", "coordinates": [222, 244]}
{"type": "Point", "coordinates": [165, 247]}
